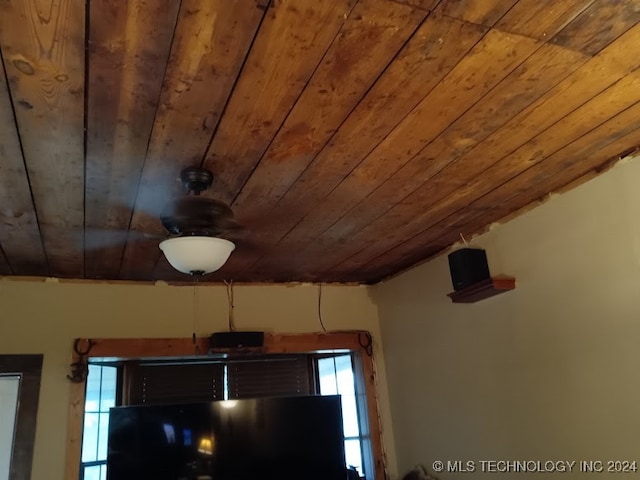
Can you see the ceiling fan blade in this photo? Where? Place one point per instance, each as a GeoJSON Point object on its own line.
{"type": "Point", "coordinates": [97, 239]}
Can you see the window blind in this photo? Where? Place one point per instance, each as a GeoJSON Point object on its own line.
{"type": "Point", "coordinates": [272, 376]}
{"type": "Point", "coordinates": [156, 384]}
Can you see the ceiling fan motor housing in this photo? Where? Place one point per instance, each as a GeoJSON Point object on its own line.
{"type": "Point", "coordinates": [195, 215]}
{"type": "Point", "coordinates": [196, 179]}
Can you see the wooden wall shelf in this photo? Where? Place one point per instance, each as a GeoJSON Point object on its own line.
{"type": "Point", "coordinates": [484, 289]}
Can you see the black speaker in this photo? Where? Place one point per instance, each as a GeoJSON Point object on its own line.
{"type": "Point", "coordinates": [236, 339]}
{"type": "Point", "coordinates": [468, 266]}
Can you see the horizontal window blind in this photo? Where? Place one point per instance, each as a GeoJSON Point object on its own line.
{"type": "Point", "coordinates": [273, 377]}
{"type": "Point", "coordinates": [156, 384]}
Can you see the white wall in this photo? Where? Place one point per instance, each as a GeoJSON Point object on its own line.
{"type": "Point", "coordinates": [45, 317]}
{"type": "Point", "coordinates": [549, 371]}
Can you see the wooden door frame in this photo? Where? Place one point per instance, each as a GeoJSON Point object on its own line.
{"type": "Point", "coordinates": [137, 348]}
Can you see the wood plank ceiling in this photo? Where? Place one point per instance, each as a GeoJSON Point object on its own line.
{"type": "Point", "coordinates": [352, 138]}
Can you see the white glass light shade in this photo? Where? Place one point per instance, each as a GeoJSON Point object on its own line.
{"type": "Point", "coordinates": [197, 255]}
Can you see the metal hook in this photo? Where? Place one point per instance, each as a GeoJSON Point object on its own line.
{"type": "Point", "coordinates": [80, 368]}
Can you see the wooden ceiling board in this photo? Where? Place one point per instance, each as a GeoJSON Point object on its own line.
{"type": "Point", "coordinates": [479, 182]}
{"type": "Point", "coordinates": [352, 137]}
{"type": "Point", "coordinates": [129, 47]}
{"type": "Point", "coordinates": [289, 47]}
{"type": "Point", "coordinates": [370, 38]}
{"type": "Point", "coordinates": [455, 94]}
{"type": "Point", "coordinates": [539, 19]}
{"type": "Point", "coordinates": [211, 42]}
{"type": "Point", "coordinates": [4, 266]}
{"type": "Point", "coordinates": [599, 25]}
{"type": "Point", "coordinates": [419, 66]}
{"type": "Point", "coordinates": [533, 78]}
{"type": "Point", "coordinates": [587, 153]}
{"type": "Point", "coordinates": [565, 97]}
{"type": "Point", "coordinates": [569, 166]}
{"type": "Point", "coordinates": [19, 234]}
{"type": "Point", "coordinates": [485, 12]}
{"type": "Point", "coordinates": [424, 4]}
{"type": "Point", "coordinates": [43, 52]}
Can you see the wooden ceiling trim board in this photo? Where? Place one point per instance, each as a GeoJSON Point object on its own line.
{"type": "Point", "coordinates": [539, 19]}
{"type": "Point", "coordinates": [476, 186]}
{"type": "Point", "coordinates": [129, 44]}
{"type": "Point", "coordinates": [569, 166]}
{"type": "Point", "coordinates": [189, 110]}
{"type": "Point", "coordinates": [369, 40]}
{"type": "Point", "coordinates": [485, 12]}
{"type": "Point", "coordinates": [531, 80]}
{"type": "Point", "coordinates": [288, 48]}
{"type": "Point", "coordinates": [599, 25]}
{"type": "Point", "coordinates": [451, 98]}
{"type": "Point", "coordinates": [43, 51]}
{"type": "Point", "coordinates": [20, 234]}
{"type": "Point", "coordinates": [417, 69]}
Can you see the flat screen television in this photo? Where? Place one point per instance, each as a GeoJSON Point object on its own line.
{"type": "Point", "coordinates": [268, 438]}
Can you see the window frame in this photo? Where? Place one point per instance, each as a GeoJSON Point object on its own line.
{"type": "Point", "coordinates": [29, 368]}
{"type": "Point", "coordinates": [305, 343]}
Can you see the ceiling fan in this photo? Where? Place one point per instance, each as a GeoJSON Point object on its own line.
{"type": "Point", "coordinates": [197, 224]}
{"type": "Point", "coordinates": [202, 232]}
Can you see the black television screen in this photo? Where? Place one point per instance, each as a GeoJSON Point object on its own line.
{"type": "Point", "coordinates": [267, 438]}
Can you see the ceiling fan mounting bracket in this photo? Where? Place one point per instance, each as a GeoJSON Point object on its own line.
{"type": "Point", "coordinates": [196, 179]}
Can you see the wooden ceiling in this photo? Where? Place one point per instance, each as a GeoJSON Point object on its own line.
{"type": "Point", "coordinates": [352, 138]}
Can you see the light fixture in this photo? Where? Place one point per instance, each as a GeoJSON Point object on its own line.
{"type": "Point", "coordinates": [197, 255]}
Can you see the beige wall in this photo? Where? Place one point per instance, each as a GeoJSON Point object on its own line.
{"type": "Point", "coordinates": [45, 317]}
{"type": "Point", "coordinates": [549, 371]}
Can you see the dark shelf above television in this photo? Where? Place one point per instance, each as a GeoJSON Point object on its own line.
{"type": "Point", "coordinates": [484, 289]}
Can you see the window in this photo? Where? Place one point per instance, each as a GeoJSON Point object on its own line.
{"type": "Point", "coordinates": [336, 377]}
{"type": "Point", "coordinates": [183, 381]}
{"type": "Point", "coordinates": [102, 383]}
{"type": "Point", "coordinates": [353, 345]}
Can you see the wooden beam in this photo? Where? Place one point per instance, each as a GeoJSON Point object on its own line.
{"type": "Point", "coordinates": [42, 43]}
{"type": "Point", "coordinates": [128, 50]}
{"type": "Point", "coordinates": [353, 341]}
